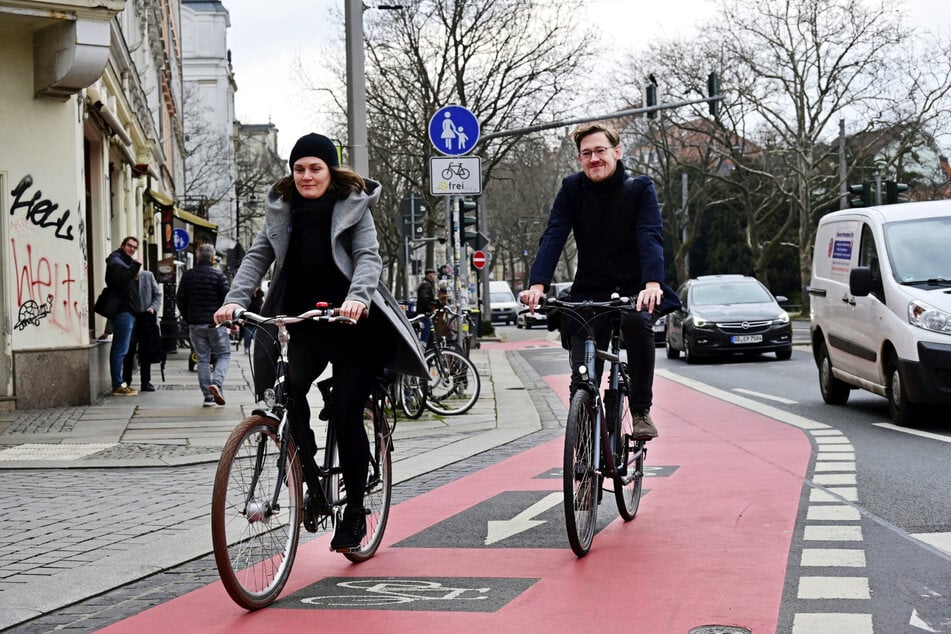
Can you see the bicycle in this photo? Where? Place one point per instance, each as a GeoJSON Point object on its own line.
{"type": "Point", "coordinates": [454, 382]}
{"type": "Point", "coordinates": [258, 503]}
{"type": "Point", "coordinates": [595, 423]}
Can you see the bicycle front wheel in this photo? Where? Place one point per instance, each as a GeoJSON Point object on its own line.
{"type": "Point", "coordinates": [379, 489]}
{"type": "Point", "coordinates": [412, 395]}
{"type": "Point", "coordinates": [629, 458]}
{"type": "Point", "coordinates": [579, 473]}
{"type": "Point", "coordinates": [255, 513]}
{"type": "Point", "coordinates": [454, 383]}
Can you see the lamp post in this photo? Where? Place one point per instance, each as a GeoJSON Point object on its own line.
{"type": "Point", "coordinates": [356, 88]}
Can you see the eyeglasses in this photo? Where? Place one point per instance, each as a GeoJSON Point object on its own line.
{"type": "Point", "coordinates": [600, 152]}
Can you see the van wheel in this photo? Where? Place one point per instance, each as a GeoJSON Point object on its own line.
{"type": "Point", "coordinates": [903, 411]}
{"type": "Point", "coordinates": [834, 391]}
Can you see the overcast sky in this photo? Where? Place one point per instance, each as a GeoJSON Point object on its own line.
{"type": "Point", "coordinates": [266, 37]}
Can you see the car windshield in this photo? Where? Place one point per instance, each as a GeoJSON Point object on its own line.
{"type": "Point", "coordinates": [919, 251]}
{"type": "Point", "coordinates": [501, 298]}
{"type": "Point", "coordinates": [729, 293]}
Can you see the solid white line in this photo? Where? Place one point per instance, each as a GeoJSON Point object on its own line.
{"type": "Point", "coordinates": [914, 432]}
{"type": "Point", "coordinates": [768, 397]}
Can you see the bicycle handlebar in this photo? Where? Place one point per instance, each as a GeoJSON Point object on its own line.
{"type": "Point", "coordinates": [331, 315]}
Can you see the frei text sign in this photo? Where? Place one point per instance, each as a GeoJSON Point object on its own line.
{"type": "Point", "coordinates": [455, 176]}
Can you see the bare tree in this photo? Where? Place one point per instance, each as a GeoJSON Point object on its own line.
{"type": "Point", "coordinates": [208, 176]}
{"type": "Point", "coordinates": [790, 70]}
{"type": "Point", "coordinates": [511, 62]}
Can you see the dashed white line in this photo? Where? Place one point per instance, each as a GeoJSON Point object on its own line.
{"type": "Point", "coordinates": [833, 588]}
{"type": "Point", "coordinates": [914, 432]}
{"type": "Point", "coordinates": [832, 534]}
{"type": "Point", "coordinates": [768, 397]}
{"type": "Point", "coordinates": [828, 557]}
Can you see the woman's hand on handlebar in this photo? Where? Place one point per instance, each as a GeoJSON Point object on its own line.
{"type": "Point", "coordinates": [226, 313]}
{"type": "Point", "coordinates": [353, 309]}
{"type": "Point", "coordinates": [533, 296]}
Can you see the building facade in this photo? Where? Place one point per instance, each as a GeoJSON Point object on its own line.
{"type": "Point", "coordinates": [91, 151]}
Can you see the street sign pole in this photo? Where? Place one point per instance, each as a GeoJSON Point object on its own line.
{"type": "Point", "coordinates": [462, 304]}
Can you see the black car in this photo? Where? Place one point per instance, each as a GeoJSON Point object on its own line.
{"type": "Point", "coordinates": [727, 314]}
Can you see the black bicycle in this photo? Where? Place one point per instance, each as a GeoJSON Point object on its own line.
{"type": "Point", "coordinates": [599, 434]}
{"type": "Point", "coordinates": [258, 501]}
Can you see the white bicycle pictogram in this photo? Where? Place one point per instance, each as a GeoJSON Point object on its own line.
{"type": "Point", "coordinates": [396, 591]}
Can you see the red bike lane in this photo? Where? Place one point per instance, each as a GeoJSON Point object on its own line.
{"type": "Point", "coordinates": [488, 552]}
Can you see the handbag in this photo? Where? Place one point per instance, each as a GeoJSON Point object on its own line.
{"type": "Point", "coordinates": [107, 303]}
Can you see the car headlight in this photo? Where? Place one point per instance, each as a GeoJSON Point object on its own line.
{"type": "Point", "coordinates": [782, 319]}
{"type": "Point", "coordinates": [699, 321]}
{"type": "Point", "coordinates": [928, 317]}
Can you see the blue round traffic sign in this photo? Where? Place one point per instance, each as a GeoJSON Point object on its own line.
{"type": "Point", "coordinates": [453, 130]}
{"type": "Point", "coordinates": [180, 239]}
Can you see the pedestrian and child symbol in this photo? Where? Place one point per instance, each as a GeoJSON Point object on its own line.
{"type": "Point", "coordinates": [453, 130]}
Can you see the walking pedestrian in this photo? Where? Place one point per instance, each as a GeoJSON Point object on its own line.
{"type": "Point", "coordinates": [320, 237]}
{"type": "Point", "coordinates": [143, 342]}
{"type": "Point", "coordinates": [121, 271]}
{"type": "Point", "coordinates": [201, 291]}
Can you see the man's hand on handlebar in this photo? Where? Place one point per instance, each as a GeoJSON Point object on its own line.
{"type": "Point", "coordinates": [532, 297]}
{"type": "Point", "coordinates": [353, 309]}
{"type": "Point", "coordinates": [650, 297]}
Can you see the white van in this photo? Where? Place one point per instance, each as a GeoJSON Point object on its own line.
{"type": "Point", "coordinates": [881, 305]}
{"type": "Point", "coordinates": [504, 306]}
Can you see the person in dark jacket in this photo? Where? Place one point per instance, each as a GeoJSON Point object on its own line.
{"type": "Point", "coordinates": [121, 271]}
{"type": "Point", "coordinates": [320, 237]}
{"type": "Point", "coordinates": [426, 302]}
{"type": "Point", "coordinates": [617, 226]}
{"type": "Point", "coordinates": [201, 291]}
{"type": "Point", "coordinates": [144, 333]}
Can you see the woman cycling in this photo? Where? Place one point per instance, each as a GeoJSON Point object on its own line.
{"type": "Point", "coordinates": [320, 237]}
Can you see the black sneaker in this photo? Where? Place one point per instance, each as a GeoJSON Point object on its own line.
{"type": "Point", "coordinates": [351, 530]}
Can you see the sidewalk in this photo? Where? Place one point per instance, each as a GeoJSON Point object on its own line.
{"type": "Point", "coordinates": [101, 495]}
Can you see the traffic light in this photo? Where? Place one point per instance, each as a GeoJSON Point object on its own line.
{"type": "Point", "coordinates": [864, 193]}
{"type": "Point", "coordinates": [713, 90]}
{"type": "Point", "coordinates": [467, 222]}
{"type": "Point", "coordinates": [412, 212]}
{"type": "Point", "coordinates": [892, 191]}
{"type": "Point", "coordinates": [651, 97]}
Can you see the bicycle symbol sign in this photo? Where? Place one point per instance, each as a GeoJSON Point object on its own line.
{"type": "Point", "coordinates": [455, 176]}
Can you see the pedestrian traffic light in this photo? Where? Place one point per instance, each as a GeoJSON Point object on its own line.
{"type": "Point", "coordinates": [864, 193]}
{"type": "Point", "coordinates": [467, 222]}
{"type": "Point", "coordinates": [713, 90]}
{"type": "Point", "coordinates": [892, 191]}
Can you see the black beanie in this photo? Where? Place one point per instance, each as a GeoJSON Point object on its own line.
{"type": "Point", "coordinates": [315, 145]}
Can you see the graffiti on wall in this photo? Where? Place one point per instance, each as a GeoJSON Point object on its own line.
{"type": "Point", "coordinates": [45, 270]}
{"type": "Point", "coordinates": [42, 212]}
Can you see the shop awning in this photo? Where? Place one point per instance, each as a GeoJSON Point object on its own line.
{"type": "Point", "coordinates": [198, 221]}
{"type": "Point", "coordinates": [159, 199]}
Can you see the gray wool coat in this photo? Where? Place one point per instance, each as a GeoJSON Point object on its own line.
{"type": "Point", "coordinates": [356, 253]}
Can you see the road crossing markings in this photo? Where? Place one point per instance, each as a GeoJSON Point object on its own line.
{"type": "Point", "coordinates": [833, 557]}
{"type": "Point", "coordinates": [833, 588]}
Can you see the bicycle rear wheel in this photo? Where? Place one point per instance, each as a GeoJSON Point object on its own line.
{"type": "Point", "coordinates": [412, 395]}
{"type": "Point", "coordinates": [255, 513]}
{"type": "Point", "coordinates": [378, 493]}
{"type": "Point", "coordinates": [579, 474]}
{"type": "Point", "coordinates": [629, 458]}
{"type": "Point", "coordinates": [454, 383]}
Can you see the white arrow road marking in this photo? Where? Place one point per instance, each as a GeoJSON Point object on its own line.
{"type": "Point", "coordinates": [502, 529]}
{"type": "Point", "coordinates": [916, 621]}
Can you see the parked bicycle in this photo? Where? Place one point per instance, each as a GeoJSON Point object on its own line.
{"type": "Point", "coordinates": [258, 502]}
{"type": "Point", "coordinates": [454, 382]}
{"type": "Point", "coordinates": [599, 441]}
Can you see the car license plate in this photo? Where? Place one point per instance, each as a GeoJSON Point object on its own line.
{"type": "Point", "coordinates": [746, 339]}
